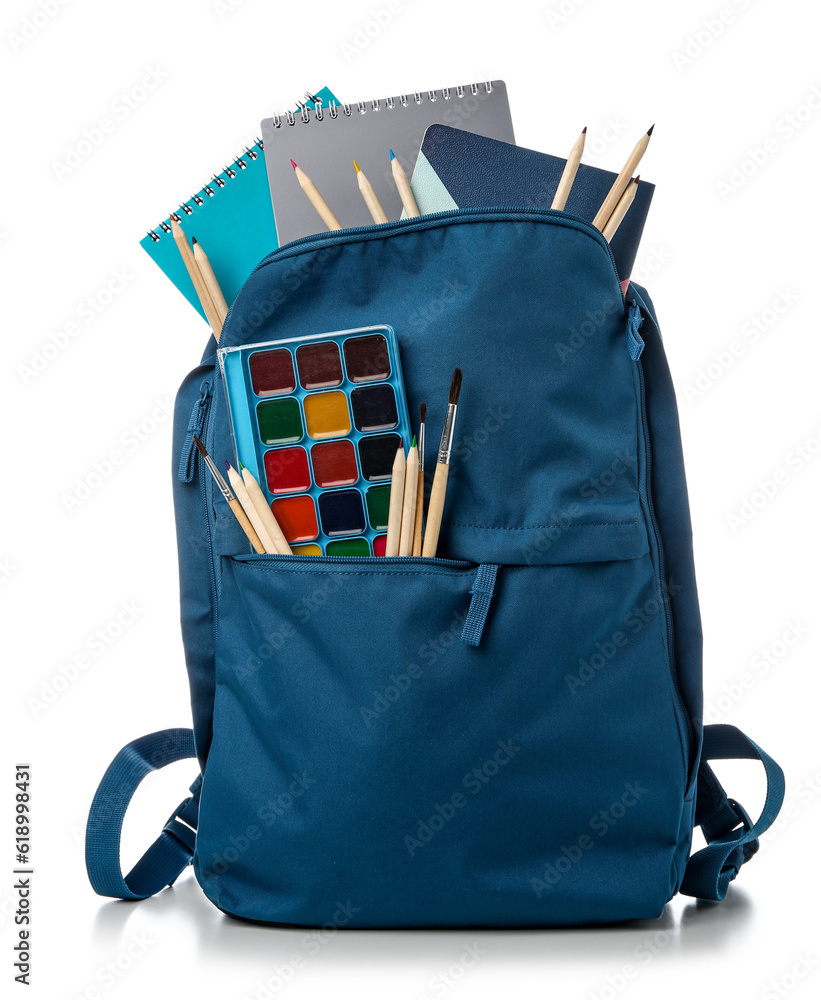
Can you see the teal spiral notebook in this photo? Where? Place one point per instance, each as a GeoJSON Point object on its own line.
{"type": "Point", "coordinates": [232, 219]}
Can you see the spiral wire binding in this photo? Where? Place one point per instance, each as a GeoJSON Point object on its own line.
{"type": "Point", "coordinates": [289, 119]}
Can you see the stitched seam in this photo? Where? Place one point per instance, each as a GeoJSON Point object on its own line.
{"type": "Point", "coordinates": [530, 527]}
{"type": "Point", "coordinates": [364, 571]}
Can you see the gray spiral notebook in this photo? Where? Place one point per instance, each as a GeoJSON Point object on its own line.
{"type": "Point", "coordinates": [326, 140]}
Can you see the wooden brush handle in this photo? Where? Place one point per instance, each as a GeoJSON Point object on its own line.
{"type": "Point", "coordinates": [436, 506]}
{"type": "Point", "coordinates": [246, 526]}
{"type": "Point", "coordinates": [420, 504]}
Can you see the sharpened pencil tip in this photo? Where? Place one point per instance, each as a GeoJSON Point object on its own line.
{"type": "Point", "coordinates": [227, 465]}
{"type": "Point", "coordinates": [391, 152]}
{"type": "Point", "coordinates": [636, 178]}
{"type": "Point", "coordinates": [584, 130]}
{"type": "Point", "coordinates": [241, 467]}
{"type": "Point", "coordinates": [356, 166]}
{"type": "Point", "coordinates": [413, 443]}
{"type": "Point", "coordinates": [194, 240]}
{"type": "Point", "coordinates": [455, 387]}
{"type": "Point", "coordinates": [650, 130]}
{"type": "Point", "coordinates": [292, 163]}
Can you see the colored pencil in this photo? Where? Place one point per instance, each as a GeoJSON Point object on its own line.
{"type": "Point", "coordinates": [265, 513]}
{"type": "Point", "coordinates": [315, 198]}
{"type": "Point", "coordinates": [436, 504]}
{"type": "Point", "coordinates": [397, 499]}
{"type": "Point", "coordinates": [231, 500]}
{"type": "Point", "coordinates": [569, 173]}
{"type": "Point", "coordinates": [620, 211]}
{"type": "Point", "coordinates": [369, 195]}
{"type": "Point", "coordinates": [409, 501]}
{"type": "Point", "coordinates": [241, 493]}
{"type": "Point", "coordinates": [400, 178]}
{"type": "Point", "coordinates": [621, 182]}
{"type": "Point", "coordinates": [420, 489]}
{"type": "Point", "coordinates": [196, 277]}
{"type": "Point", "coordinates": [211, 283]}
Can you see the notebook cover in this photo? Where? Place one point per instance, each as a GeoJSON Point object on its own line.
{"type": "Point", "coordinates": [234, 225]}
{"type": "Point", "coordinates": [326, 149]}
{"type": "Point", "coordinates": [459, 170]}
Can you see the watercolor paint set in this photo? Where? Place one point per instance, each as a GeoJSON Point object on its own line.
{"type": "Point", "coordinates": [318, 421]}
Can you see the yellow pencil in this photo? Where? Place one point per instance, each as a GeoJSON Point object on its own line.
{"type": "Point", "coordinates": [368, 193]}
{"type": "Point", "coordinates": [211, 283]}
{"type": "Point", "coordinates": [403, 187]}
{"type": "Point", "coordinates": [196, 277]}
{"type": "Point", "coordinates": [569, 173]}
{"type": "Point", "coordinates": [265, 513]}
{"type": "Point", "coordinates": [621, 182]}
{"type": "Point", "coordinates": [406, 533]}
{"type": "Point", "coordinates": [397, 499]}
{"type": "Point", "coordinates": [625, 202]}
{"type": "Point", "coordinates": [315, 198]}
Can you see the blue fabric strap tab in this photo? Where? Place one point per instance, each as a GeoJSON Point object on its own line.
{"type": "Point", "coordinates": [635, 344]}
{"type": "Point", "coordinates": [172, 851]}
{"type": "Point", "coordinates": [482, 590]}
{"type": "Point", "coordinates": [732, 837]}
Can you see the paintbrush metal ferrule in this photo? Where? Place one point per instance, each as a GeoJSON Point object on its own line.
{"type": "Point", "coordinates": [224, 488]}
{"type": "Point", "coordinates": [446, 444]}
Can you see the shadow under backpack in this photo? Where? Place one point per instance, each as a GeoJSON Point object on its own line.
{"type": "Point", "coordinates": [509, 736]}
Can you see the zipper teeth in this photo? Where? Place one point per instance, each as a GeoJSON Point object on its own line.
{"type": "Point", "coordinates": [427, 221]}
{"type": "Point", "coordinates": [659, 560]}
{"type": "Point", "coordinates": [206, 505]}
{"type": "Point", "coordinates": [356, 560]}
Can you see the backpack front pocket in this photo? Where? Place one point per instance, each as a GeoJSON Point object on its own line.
{"type": "Point", "coordinates": [368, 761]}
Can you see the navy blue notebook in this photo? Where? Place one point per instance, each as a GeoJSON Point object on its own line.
{"type": "Point", "coordinates": [457, 169]}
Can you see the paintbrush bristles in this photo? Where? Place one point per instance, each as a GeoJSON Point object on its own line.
{"type": "Point", "coordinates": [455, 387]}
{"type": "Point", "coordinates": [423, 411]}
{"type": "Point", "coordinates": [200, 445]}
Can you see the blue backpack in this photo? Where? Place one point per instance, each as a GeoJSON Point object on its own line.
{"type": "Point", "coordinates": [508, 736]}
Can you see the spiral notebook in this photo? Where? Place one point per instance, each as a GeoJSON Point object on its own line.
{"type": "Point", "coordinates": [326, 140]}
{"type": "Point", "coordinates": [231, 217]}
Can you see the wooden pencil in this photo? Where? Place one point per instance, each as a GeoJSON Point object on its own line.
{"type": "Point", "coordinates": [569, 173]}
{"type": "Point", "coordinates": [196, 277]}
{"type": "Point", "coordinates": [369, 195]}
{"type": "Point", "coordinates": [211, 283]}
{"type": "Point", "coordinates": [397, 499]}
{"type": "Point", "coordinates": [230, 499]}
{"type": "Point", "coordinates": [621, 182]}
{"type": "Point", "coordinates": [400, 178]}
{"type": "Point", "coordinates": [436, 503]}
{"type": "Point", "coordinates": [420, 489]}
{"type": "Point", "coordinates": [241, 493]}
{"type": "Point", "coordinates": [620, 211]}
{"type": "Point", "coordinates": [265, 513]}
{"type": "Point", "coordinates": [315, 198]}
{"type": "Point", "coordinates": [406, 533]}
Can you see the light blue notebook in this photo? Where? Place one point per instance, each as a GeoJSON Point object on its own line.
{"type": "Point", "coordinates": [232, 219]}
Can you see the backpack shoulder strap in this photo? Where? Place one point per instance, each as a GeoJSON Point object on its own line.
{"type": "Point", "coordinates": [732, 837]}
{"type": "Point", "coordinates": [172, 851]}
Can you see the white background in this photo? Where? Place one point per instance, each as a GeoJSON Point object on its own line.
{"type": "Point", "coordinates": [714, 260]}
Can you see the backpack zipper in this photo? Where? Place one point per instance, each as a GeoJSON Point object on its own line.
{"type": "Point", "coordinates": [657, 556]}
{"type": "Point", "coordinates": [203, 408]}
{"type": "Point", "coordinates": [337, 237]}
{"type": "Point", "coordinates": [373, 561]}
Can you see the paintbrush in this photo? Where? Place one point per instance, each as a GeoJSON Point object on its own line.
{"type": "Point", "coordinates": [420, 490]}
{"type": "Point", "coordinates": [230, 499]}
{"type": "Point", "coordinates": [436, 504]}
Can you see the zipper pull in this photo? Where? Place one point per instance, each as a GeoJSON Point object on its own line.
{"type": "Point", "coordinates": [635, 344]}
{"type": "Point", "coordinates": [195, 425]}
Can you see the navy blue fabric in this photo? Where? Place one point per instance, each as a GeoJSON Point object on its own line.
{"type": "Point", "coordinates": [358, 756]}
{"type": "Point", "coordinates": [173, 849]}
